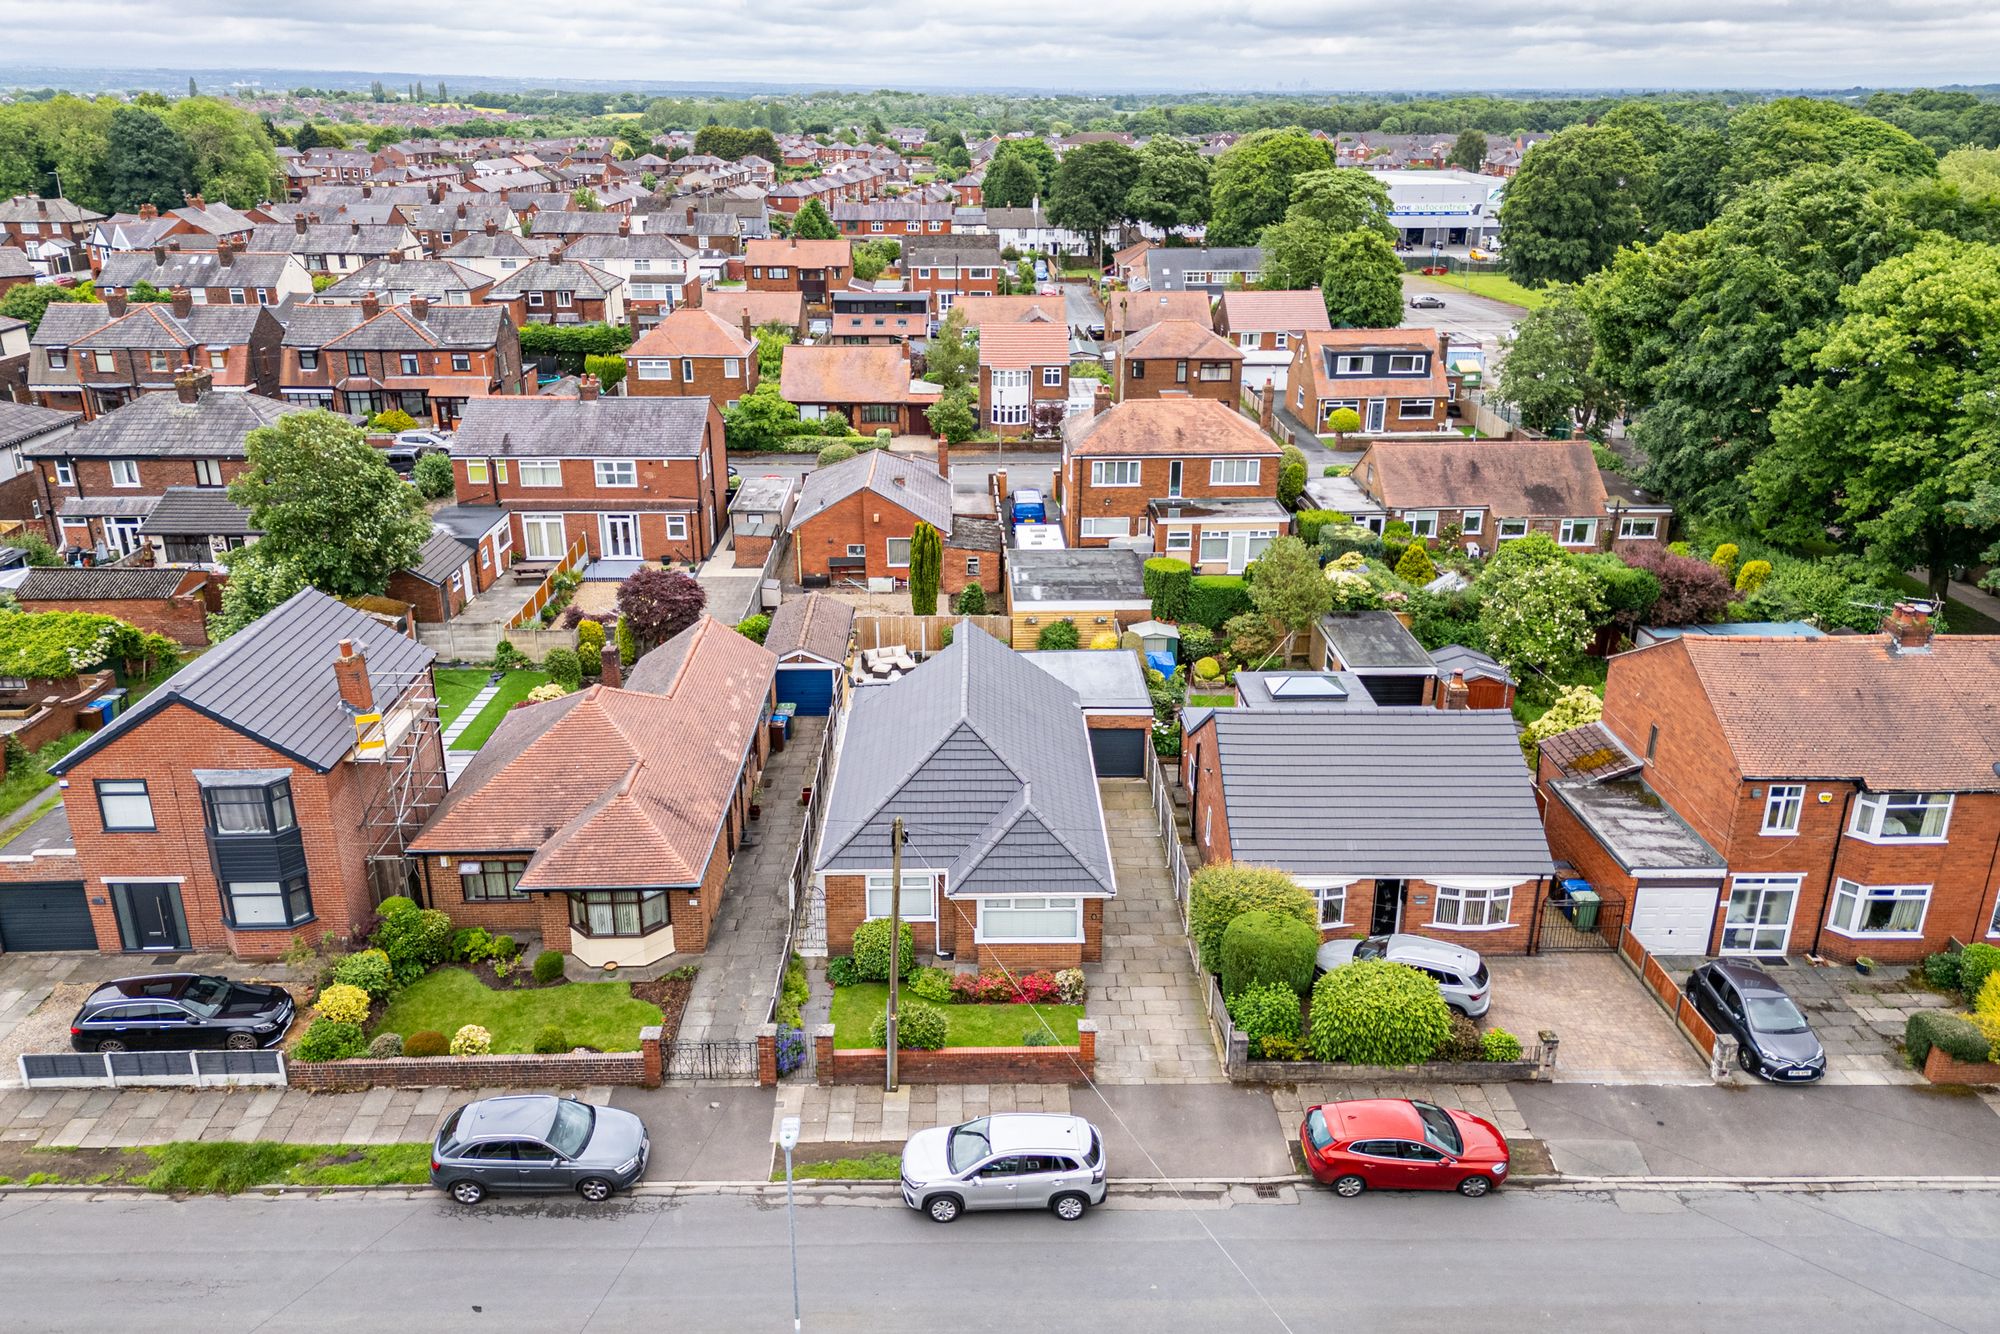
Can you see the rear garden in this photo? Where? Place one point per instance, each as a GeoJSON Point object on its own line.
{"type": "Point", "coordinates": [457, 687]}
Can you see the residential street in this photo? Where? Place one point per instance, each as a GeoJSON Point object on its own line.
{"type": "Point", "coordinates": [1518, 1261]}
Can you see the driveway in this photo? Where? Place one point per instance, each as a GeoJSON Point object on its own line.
{"type": "Point", "coordinates": [1611, 1030]}
{"type": "Point", "coordinates": [1859, 1020]}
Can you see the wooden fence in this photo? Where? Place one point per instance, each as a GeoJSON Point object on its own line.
{"type": "Point", "coordinates": [532, 611]}
{"type": "Point", "coordinates": [1697, 1030]}
{"type": "Point", "coordinates": [920, 634]}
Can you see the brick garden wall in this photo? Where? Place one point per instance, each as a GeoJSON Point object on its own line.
{"type": "Point", "coordinates": [1940, 1068]}
{"type": "Point", "coordinates": [961, 1065]}
{"type": "Point", "coordinates": [640, 1068]}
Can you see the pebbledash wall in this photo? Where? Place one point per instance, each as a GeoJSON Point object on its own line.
{"type": "Point", "coordinates": [960, 1065]}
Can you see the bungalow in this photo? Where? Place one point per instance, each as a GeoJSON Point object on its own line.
{"type": "Point", "coordinates": [854, 521]}
{"type": "Point", "coordinates": [871, 385]}
{"type": "Point", "coordinates": [1489, 493]}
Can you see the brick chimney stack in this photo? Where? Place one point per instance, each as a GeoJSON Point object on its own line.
{"type": "Point", "coordinates": [299, 224]}
{"type": "Point", "coordinates": [148, 212]}
{"type": "Point", "coordinates": [350, 670]}
{"type": "Point", "coordinates": [492, 227]}
{"type": "Point", "coordinates": [624, 226]}
{"type": "Point", "coordinates": [461, 210]}
{"type": "Point", "coordinates": [586, 388]}
{"type": "Point", "coordinates": [944, 459]}
{"type": "Point", "coordinates": [395, 257]}
{"type": "Point", "coordinates": [225, 254]}
{"type": "Point", "coordinates": [42, 207]}
{"type": "Point", "coordinates": [420, 308]}
{"type": "Point", "coordinates": [114, 304]}
{"type": "Point", "coordinates": [186, 388]}
{"type": "Point", "coordinates": [747, 331]}
{"type": "Point", "coordinates": [159, 252]}
{"type": "Point", "coordinates": [1909, 628]}
{"type": "Point", "coordinates": [1267, 406]}
{"type": "Point", "coordinates": [371, 305]}
{"type": "Point", "coordinates": [183, 303]}
{"type": "Point", "coordinates": [612, 672]}
{"type": "Point", "coordinates": [195, 201]}
{"type": "Point", "coordinates": [1457, 695]}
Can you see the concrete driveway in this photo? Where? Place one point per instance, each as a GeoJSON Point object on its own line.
{"type": "Point", "coordinates": [1611, 1030]}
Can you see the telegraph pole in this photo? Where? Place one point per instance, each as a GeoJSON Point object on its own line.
{"type": "Point", "coordinates": [895, 945]}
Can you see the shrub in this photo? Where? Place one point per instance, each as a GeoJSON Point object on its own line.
{"type": "Point", "coordinates": [548, 966]}
{"type": "Point", "coordinates": [1197, 642]}
{"type": "Point", "coordinates": [627, 640]}
{"type": "Point", "coordinates": [1752, 576]}
{"type": "Point", "coordinates": [1284, 1049]}
{"type": "Point", "coordinates": [414, 938]}
{"type": "Point", "coordinates": [551, 1041]}
{"type": "Point", "coordinates": [1499, 1045]}
{"type": "Point", "coordinates": [1291, 482]}
{"type": "Point", "coordinates": [1975, 964]}
{"type": "Point", "coordinates": [1057, 635]}
{"type": "Point", "coordinates": [919, 1026]}
{"type": "Point", "coordinates": [842, 971]}
{"type": "Point", "coordinates": [1261, 946]}
{"type": "Point", "coordinates": [564, 668]}
{"type": "Point", "coordinates": [1374, 1012]}
{"type": "Point", "coordinates": [425, 1042]}
{"type": "Point", "coordinates": [472, 1040]}
{"type": "Point", "coordinates": [1956, 1035]}
{"type": "Point", "coordinates": [508, 658]}
{"type": "Point", "coordinates": [1462, 1042]}
{"type": "Point", "coordinates": [1987, 1002]}
{"type": "Point", "coordinates": [971, 601]}
{"type": "Point", "coordinates": [343, 1004]}
{"type": "Point", "coordinates": [545, 693]}
{"type": "Point", "coordinates": [1941, 970]}
{"type": "Point", "coordinates": [1166, 584]}
{"type": "Point", "coordinates": [1416, 567]}
{"type": "Point", "coordinates": [871, 950]}
{"type": "Point", "coordinates": [995, 987]}
{"type": "Point", "coordinates": [1214, 598]}
{"type": "Point", "coordinates": [1692, 592]}
{"type": "Point", "coordinates": [1104, 640]}
{"type": "Point", "coordinates": [965, 988]}
{"type": "Point", "coordinates": [1069, 986]}
{"type": "Point", "coordinates": [1037, 988]}
{"type": "Point", "coordinates": [386, 1046]}
{"type": "Point", "coordinates": [472, 945]}
{"type": "Point", "coordinates": [1220, 893]}
{"type": "Point", "coordinates": [835, 453]}
{"type": "Point", "coordinates": [1724, 559]}
{"type": "Point", "coordinates": [1679, 549]}
{"type": "Point", "coordinates": [1207, 669]}
{"type": "Point", "coordinates": [1040, 1037]}
{"type": "Point", "coordinates": [1265, 1011]}
{"type": "Point", "coordinates": [431, 475]}
{"type": "Point", "coordinates": [330, 1041]}
{"type": "Point", "coordinates": [590, 646]}
{"type": "Point", "coordinates": [368, 969]}
{"type": "Point", "coordinates": [393, 421]}
{"type": "Point", "coordinates": [1309, 524]}
{"type": "Point", "coordinates": [754, 628]}
{"type": "Point", "coordinates": [505, 947]}
{"type": "Point", "coordinates": [931, 984]}
{"type": "Point", "coordinates": [1398, 531]}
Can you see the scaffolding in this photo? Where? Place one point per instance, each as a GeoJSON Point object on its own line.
{"type": "Point", "coordinates": [402, 738]}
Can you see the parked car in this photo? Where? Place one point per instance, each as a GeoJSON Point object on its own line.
{"type": "Point", "coordinates": [429, 442]}
{"type": "Point", "coordinates": [1401, 1144]}
{"type": "Point", "coordinates": [1773, 1040]}
{"type": "Point", "coordinates": [1478, 254]}
{"type": "Point", "coordinates": [1461, 974]}
{"type": "Point", "coordinates": [1427, 301]}
{"type": "Point", "coordinates": [1009, 1160]}
{"type": "Point", "coordinates": [1028, 506]}
{"type": "Point", "coordinates": [181, 1011]}
{"type": "Point", "coordinates": [538, 1142]}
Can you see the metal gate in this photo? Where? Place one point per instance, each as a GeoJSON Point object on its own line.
{"type": "Point", "coordinates": [709, 1060]}
{"type": "Point", "coordinates": [1564, 922]}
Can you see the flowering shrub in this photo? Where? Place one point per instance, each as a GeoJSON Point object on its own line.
{"type": "Point", "coordinates": [472, 1040]}
{"type": "Point", "coordinates": [1036, 989]}
{"type": "Point", "coordinates": [1069, 986]}
{"type": "Point", "coordinates": [791, 1049]}
{"type": "Point", "coordinates": [965, 988]}
{"type": "Point", "coordinates": [995, 987]}
{"type": "Point", "coordinates": [343, 1004]}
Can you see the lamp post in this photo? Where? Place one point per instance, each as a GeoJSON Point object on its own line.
{"type": "Point", "coordinates": [788, 1139]}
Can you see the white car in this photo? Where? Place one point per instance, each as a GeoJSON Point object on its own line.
{"type": "Point", "coordinates": [426, 442]}
{"type": "Point", "coordinates": [1460, 973]}
{"type": "Point", "coordinates": [1427, 301]}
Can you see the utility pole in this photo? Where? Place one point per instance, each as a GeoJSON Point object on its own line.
{"type": "Point", "coordinates": [788, 1139]}
{"type": "Point", "coordinates": [895, 946]}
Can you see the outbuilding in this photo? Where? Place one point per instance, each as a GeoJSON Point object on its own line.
{"type": "Point", "coordinates": [810, 635]}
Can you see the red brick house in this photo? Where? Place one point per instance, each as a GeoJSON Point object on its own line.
{"type": "Point", "coordinates": [1267, 326]}
{"type": "Point", "coordinates": [759, 308]}
{"type": "Point", "coordinates": [93, 357]}
{"type": "Point", "coordinates": [1394, 378]}
{"type": "Point", "coordinates": [1174, 358]}
{"type": "Point", "coordinates": [31, 221]}
{"type": "Point", "coordinates": [1007, 859]}
{"type": "Point", "coordinates": [560, 291]}
{"type": "Point", "coordinates": [950, 267]}
{"type": "Point", "coordinates": [871, 385]}
{"type": "Point", "coordinates": [1491, 492]}
{"type": "Point", "coordinates": [430, 361]}
{"type": "Point", "coordinates": [1129, 312]}
{"type": "Point", "coordinates": [692, 353]}
{"type": "Point", "coordinates": [1023, 378]}
{"type": "Point", "coordinates": [894, 218]}
{"type": "Point", "coordinates": [246, 801]}
{"type": "Point", "coordinates": [606, 820]}
{"type": "Point", "coordinates": [811, 268]}
{"type": "Point", "coordinates": [1198, 476]}
{"type": "Point", "coordinates": [225, 276]}
{"type": "Point", "coordinates": [23, 429]}
{"type": "Point", "coordinates": [853, 521]}
{"type": "Point", "coordinates": [631, 478]}
{"type": "Point", "coordinates": [1763, 796]}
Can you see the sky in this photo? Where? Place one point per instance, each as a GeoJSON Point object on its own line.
{"type": "Point", "coordinates": [1152, 45]}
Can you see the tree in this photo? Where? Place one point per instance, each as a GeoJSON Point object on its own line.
{"type": "Point", "coordinates": [760, 421]}
{"type": "Point", "coordinates": [955, 415]}
{"type": "Point", "coordinates": [1037, 156]}
{"type": "Point", "coordinates": [1547, 372]}
{"type": "Point", "coordinates": [1363, 282]}
{"type": "Point", "coordinates": [951, 361]}
{"type": "Point", "coordinates": [328, 504]}
{"type": "Point", "coordinates": [30, 301]}
{"type": "Point", "coordinates": [1772, 139]}
{"type": "Point", "coordinates": [1010, 182]}
{"type": "Point", "coordinates": [1897, 433]}
{"type": "Point", "coordinates": [971, 601]}
{"type": "Point", "coordinates": [658, 604]}
{"type": "Point", "coordinates": [306, 137]}
{"type": "Point", "coordinates": [1286, 586]}
{"type": "Point", "coordinates": [1343, 199]}
{"type": "Point", "coordinates": [1343, 422]}
{"type": "Point", "coordinates": [772, 340]}
{"type": "Point", "coordinates": [731, 144]}
{"type": "Point", "coordinates": [1091, 186]}
{"type": "Point", "coordinates": [583, 199]}
{"type": "Point", "coordinates": [145, 163]}
{"type": "Point", "coordinates": [1573, 203]}
{"type": "Point", "coordinates": [1575, 706]}
{"type": "Point", "coordinates": [259, 580]}
{"type": "Point", "coordinates": [1172, 188]}
{"type": "Point", "coordinates": [1687, 188]}
{"type": "Point", "coordinates": [926, 564]}
{"type": "Point", "coordinates": [231, 159]}
{"type": "Point", "coordinates": [1976, 171]}
{"type": "Point", "coordinates": [609, 370]}
{"type": "Point", "coordinates": [1468, 151]}
{"type": "Point", "coordinates": [873, 256]}
{"type": "Point", "coordinates": [1250, 185]}
{"type": "Point", "coordinates": [1057, 635]}
{"type": "Point", "coordinates": [1536, 612]}
{"type": "Point", "coordinates": [814, 223]}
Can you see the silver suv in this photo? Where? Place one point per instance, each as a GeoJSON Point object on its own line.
{"type": "Point", "coordinates": [1010, 1160]}
{"type": "Point", "coordinates": [1461, 974]}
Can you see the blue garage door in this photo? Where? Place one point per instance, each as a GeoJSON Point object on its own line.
{"type": "Point", "coordinates": [811, 688]}
{"type": "Point", "coordinates": [48, 916]}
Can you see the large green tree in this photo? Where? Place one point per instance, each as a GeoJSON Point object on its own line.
{"type": "Point", "coordinates": [1573, 203]}
{"type": "Point", "coordinates": [761, 419]}
{"type": "Point", "coordinates": [30, 301]}
{"type": "Point", "coordinates": [1687, 181]}
{"type": "Point", "coordinates": [1468, 151]}
{"type": "Point", "coordinates": [1250, 185]}
{"type": "Point", "coordinates": [1287, 588]}
{"type": "Point", "coordinates": [951, 358]}
{"type": "Point", "coordinates": [231, 158]}
{"type": "Point", "coordinates": [1772, 139]}
{"type": "Point", "coordinates": [1010, 183]}
{"type": "Point", "coordinates": [1091, 186]}
{"type": "Point", "coordinates": [1325, 204]}
{"type": "Point", "coordinates": [814, 223]}
{"type": "Point", "coordinates": [147, 163]}
{"type": "Point", "coordinates": [729, 143]}
{"type": "Point", "coordinates": [1036, 155]}
{"type": "Point", "coordinates": [1547, 371]}
{"type": "Point", "coordinates": [1976, 171]}
{"type": "Point", "coordinates": [1363, 282]}
{"type": "Point", "coordinates": [1895, 436]}
{"type": "Point", "coordinates": [328, 503]}
{"type": "Point", "coordinates": [1172, 189]}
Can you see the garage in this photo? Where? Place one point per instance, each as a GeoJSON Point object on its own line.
{"type": "Point", "coordinates": [46, 916]}
{"type": "Point", "coordinates": [1674, 919]}
{"type": "Point", "coordinates": [1119, 752]}
{"type": "Point", "coordinates": [812, 637]}
{"type": "Point", "coordinates": [808, 685]}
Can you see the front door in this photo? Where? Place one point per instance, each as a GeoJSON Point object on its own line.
{"type": "Point", "coordinates": [1378, 414]}
{"type": "Point", "coordinates": [1388, 913]}
{"type": "Point", "coordinates": [1239, 550]}
{"type": "Point", "coordinates": [1759, 920]}
{"type": "Point", "coordinates": [621, 536]}
{"type": "Point", "coordinates": [149, 916]}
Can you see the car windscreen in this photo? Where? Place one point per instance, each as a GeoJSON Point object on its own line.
{"type": "Point", "coordinates": [571, 1130]}
{"type": "Point", "coordinates": [1096, 1154]}
{"type": "Point", "coordinates": [1773, 1014]}
{"type": "Point", "coordinates": [967, 1145]}
{"type": "Point", "coordinates": [206, 995]}
{"type": "Point", "coordinates": [1439, 1128]}
{"type": "Point", "coordinates": [1372, 948]}
{"type": "Point", "coordinates": [1317, 1129]}
{"type": "Point", "coordinates": [449, 1128]}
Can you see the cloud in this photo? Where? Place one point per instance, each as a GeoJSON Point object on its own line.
{"type": "Point", "coordinates": [1159, 45]}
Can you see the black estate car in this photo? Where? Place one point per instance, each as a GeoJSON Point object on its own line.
{"type": "Point", "coordinates": [1773, 1040]}
{"type": "Point", "coordinates": [176, 1011]}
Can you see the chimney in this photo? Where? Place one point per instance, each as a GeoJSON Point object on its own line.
{"type": "Point", "coordinates": [1457, 695]}
{"type": "Point", "coordinates": [795, 241]}
{"type": "Point", "coordinates": [350, 670]}
{"type": "Point", "coordinates": [612, 672]}
{"type": "Point", "coordinates": [195, 201]}
{"type": "Point", "coordinates": [420, 308]}
{"type": "Point", "coordinates": [159, 252]}
{"type": "Point", "coordinates": [368, 192]}
{"type": "Point", "coordinates": [747, 333]}
{"type": "Point", "coordinates": [586, 388]}
{"type": "Point", "coordinates": [944, 458]}
{"type": "Point", "coordinates": [492, 227]}
{"type": "Point", "coordinates": [690, 215]}
{"type": "Point", "coordinates": [183, 303]}
{"type": "Point", "coordinates": [186, 388]}
{"type": "Point", "coordinates": [148, 212]}
{"type": "Point", "coordinates": [174, 244]}
{"type": "Point", "coordinates": [1267, 406]}
{"type": "Point", "coordinates": [371, 305]}
{"type": "Point", "coordinates": [395, 257]}
{"type": "Point", "coordinates": [354, 229]}
{"type": "Point", "coordinates": [624, 226]}
{"type": "Point", "coordinates": [556, 255]}
{"type": "Point", "coordinates": [1908, 626]}
{"type": "Point", "coordinates": [299, 224]}
{"type": "Point", "coordinates": [114, 304]}
{"type": "Point", "coordinates": [42, 207]}
{"type": "Point", "coordinates": [461, 210]}
{"type": "Point", "coordinates": [899, 480]}
{"type": "Point", "coordinates": [225, 254]}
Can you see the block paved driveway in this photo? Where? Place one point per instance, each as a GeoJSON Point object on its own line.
{"type": "Point", "coordinates": [1611, 1029]}
{"type": "Point", "coordinates": [1145, 997]}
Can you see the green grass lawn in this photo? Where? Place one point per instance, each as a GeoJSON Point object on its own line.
{"type": "Point", "coordinates": [190, 1167]}
{"type": "Point", "coordinates": [514, 688]}
{"type": "Point", "coordinates": [24, 781]}
{"type": "Point", "coordinates": [455, 688]}
{"type": "Point", "coordinates": [1212, 701]}
{"type": "Point", "coordinates": [1493, 286]}
{"type": "Point", "coordinates": [871, 1167]}
{"type": "Point", "coordinates": [855, 1008]}
{"type": "Point", "coordinates": [593, 1014]}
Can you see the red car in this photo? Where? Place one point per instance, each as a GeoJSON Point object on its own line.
{"type": "Point", "coordinates": [1398, 1144]}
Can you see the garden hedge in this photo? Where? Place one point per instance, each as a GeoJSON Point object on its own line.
{"type": "Point", "coordinates": [1214, 598]}
{"type": "Point", "coordinates": [919, 1026]}
{"type": "Point", "coordinates": [1266, 1010]}
{"type": "Point", "coordinates": [1261, 946]}
{"type": "Point", "coordinates": [1166, 583]}
{"type": "Point", "coordinates": [1373, 1012]}
{"type": "Point", "coordinates": [1974, 963]}
{"type": "Point", "coordinates": [1309, 524]}
{"type": "Point", "coordinates": [871, 950]}
{"type": "Point", "coordinates": [1220, 893]}
{"type": "Point", "coordinates": [1953, 1034]}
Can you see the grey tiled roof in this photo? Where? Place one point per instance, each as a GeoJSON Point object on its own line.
{"type": "Point", "coordinates": [274, 681]}
{"type": "Point", "coordinates": [1395, 793]}
{"type": "Point", "coordinates": [195, 268]}
{"type": "Point", "coordinates": [161, 426]}
{"type": "Point", "coordinates": [511, 427]}
{"type": "Point", "coordinates": [82, 507]}
{"type": "Point", "coordinates": [914, 484]}
{"type": "Point", "coordinates": [83, 583]}
{"type": "Point", "coordinates": [440, 556]}
{"type": "Point", "coordinates": [1373, 641]}
{"type": "Point", "coordinates": [395, 329]}
{"type": "Point", "coordinates": [500, 245]}
{"type": "Point", "coordinates": [425, 277]}
{"type": "Point", "coordinates": [22, 421]}
{"type": "Point", "coordinates": [197, 511]}
{"type": "Point", "coordinates": [987, 759]}
{"type": "Point", "coordinates": [542, 276]}
{"type": "Point", "coordinates": [65, 322]}
{"type": "Point", "coordinates": [1167, 268]}
{"type": "Point", "coordinates": [1457, 657]}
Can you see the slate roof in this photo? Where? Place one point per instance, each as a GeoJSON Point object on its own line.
{"type": "Point", "coordinates": [1458, 658]}
{"type": "Point", "coordinates": [395, 328]}
{"type": "Point", "coordinates": [1167, 426]}
{"type": "Point", "coordinates": [544, 276]}
{"type": "Point", "coordinates": [333, 238]}
{"type": "Point", "coordinates": [1394, 793]}
{"type": "Point", "coordinates": [1167, 267]}
{"type": "Point", "coordinates": [638, 245]}
{"type": "Point", "coordinates": [154, 325]}
{"type": "Point", "coordinates": [1515, 479]}
{"type": "Point", "coordinates": [950, 250]}
{"type": "Point", "coordinates": [161, 426]}
{"type": "Point", "coordinates": [197, 511]}
{"type": "Point", "coordinates": [88, 583]}
{"type": "Point", "coordinates": [14, 263]}
{"type": "Point", "coordinates": [987, 759]}
{"type": "Point", "coordinates": [912, 483]}
{"type": "Point", "coordinates": [21, 422]}
{"type": "Point", "coordinates": [433, 278]}
{"type": "Point", "coordinates": [273, 681]}
{"type": "Point", "coordinates": [441, 555]}
{"type": "Point", "coordinates": [519, 427]}
{"type": "Point", "coordinates": [195, 268]}
{"type": "Point", "coordinates": [817, 624]}
{"type": "Point", "coordinates": [501, 245]}
{"type": "Point", "coordinates": [29, 208]}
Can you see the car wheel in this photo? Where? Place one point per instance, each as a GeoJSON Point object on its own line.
{"type": "Point", "coordinates": [1473, 1187]}
{"type": "Point", "coordinates": [467, 1192]}
{"type": "Point", "coordinates": [595, 1189]}
{"type": "Point", "coordinates": [241, 1042]}
{"type": "Point", "coordinates": [1349, 1186]}
{"type": "Point", "coordinates": [1069, 1208]}
{"type": "Point", "coordinates": [1746, 1058]}
{"type": "Point", "coordinates": [111, 1044]}
{"type": "Point", "coordinates": [942, 1208]}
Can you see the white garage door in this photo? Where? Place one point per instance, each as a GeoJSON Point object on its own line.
{"type": "Point", "coordinates": [1674, 919]}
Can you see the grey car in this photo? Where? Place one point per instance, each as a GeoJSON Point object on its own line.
{"type": "Point", "coordinates": [1010, 1160]}
{"type": "Point", "coordinates": [1460, 973]}
{"type": "Point", "coordinates": [538, 1142]}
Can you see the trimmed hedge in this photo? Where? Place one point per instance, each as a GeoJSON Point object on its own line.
{"type": "Point", "coordinates": [1266, 1010]}
{"type": "Point", "coordinates": [1309, 524]}
{"type": "Point", "coordinates": [1166, 583]}
{"type": "Point", "coordinates": [425, 1042]}
{"type": "Point", "coordinates": [326, 1040]}
{"type": "Point", "coordinates": [871, 950]}
{"type": "Point", "coordinates": [919, 1026]}
{"type": "Point", "coordinates": [1374, 1012]}
{"type": "Point", "coordinates": [1953, 1034]}
{"type": "Point", "coordinates": [1220, 893]}
{"type": "Point", "coordinates": [1260, 947]}
{"type": "Point", "coordinates": [1975, 962]}
{"type": "Point", "coordinates": [1214, 598]}
{"type": "Point", "coordinates": [548, 966]}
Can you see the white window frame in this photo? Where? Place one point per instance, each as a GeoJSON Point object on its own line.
{"type": "Point", "coordinates": [1114, 472]}
{"type": "Point", "coordinates": [889, 553]}
{"type": "Point", "coordinates": [919, 896]}
{"type": "Point", "coordinates": [540, 525]}
{"type": "Point", "coordinates": [1106, 526]}
{"type": "Point", "coordinates": [677, 527]}
{"type": "Point", "coordinates": [1214, 546]}
{"type": "Point", "coordinates": [1849, 897]}
{"type": "Point", "coordinates": [125, 472]}
{"type": "Point", "coordinates": [1332, 894]}
{"type": "Point", "coordinates": [1411, 408]}
{"type": "Point", "coordinates": [65, 473]}
{"type": "Point", "coordinates": [1234, 472]}
{"type": "Point", "coordinates": [1010, 414]}
{"type": "Point", "coordinates": [1348, 365]}
{"type": "Point", "coordinates": [1180, 539]}
{"type": "Point", "coordinates": [607, 472]}
{"type": "Point", "coordinates": [1784, 805]}
{"type": "Point", "coordinates": [1510, 529]}
{"type": "Point", "coordinates": [1406, 363]}
{"type": "Point", "coordinates": [654, 368]}
{"type": "Point", "coordinates": [1871, 810]}
{"type": "Point", "coordinates": [1472, 523]}
{"type": "Point", "coordinates": [565, 298]}
{"type": "Point", "coordinates": [541, 472]}
{"type": "Point", "coordinates": [1284, 339]}
{"type": "Point", "coordinates": [1466, 897]}
{"type": "Point", "coordinates": [1423, 523]}
{"type": "Point", "coordinates": [1028, 903]}
{"type": "Point", "coordinates": [1052, 377]}
{"type": "Point", "coordinates": [1630, 528]}
{"type": "Point", "coordinates": [732, 368]}
{"type": "Point", "coordinates": [1566, 533]}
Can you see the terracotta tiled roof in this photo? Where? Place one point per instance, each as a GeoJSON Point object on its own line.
{"type": "Point", "coordinates": [795, 254]}
{"type": "Point", "coordinates": [1125, 311]}
{"type": "Point", "coordinates": [844, 373]}
{"type": "Point", "coordinates": [1168, 426]}
{"type": "Point", "coordinates": [1022, 346]}
{"type": "Point", "coordinates": [692, 332]}
{"type": "Point", "coordinates": [1287, 312]}
{"type": "Point", "coordinates": [1849, 706]}
{"type": "Point", "coordinates": [764, 307]}
{"type": "Point", "coordinates": [1535, 479]}
{"type": "Point", "coordinates": [611, 788]}
{"type": "Point", "coordinates": [981, 312]}
{"type": "Point", "coordinates": [1179, 339]}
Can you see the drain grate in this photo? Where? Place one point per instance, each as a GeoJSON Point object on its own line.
{"type": "Point", "coordinates": [1266, 1191]}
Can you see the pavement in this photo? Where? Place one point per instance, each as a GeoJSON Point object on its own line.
{"type": "Point", "coordinates": [1518, 1261]}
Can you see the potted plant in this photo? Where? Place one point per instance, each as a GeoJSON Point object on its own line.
{"type": "Point", "coordinates": [1864, 965]}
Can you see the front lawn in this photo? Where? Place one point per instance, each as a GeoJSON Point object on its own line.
{"type": "Point", "coordinates": [855, 1008]}
{"type": "Point", "coordinates": [604, 1015]}
{"type": "Point", "coordinates": [514, 688]}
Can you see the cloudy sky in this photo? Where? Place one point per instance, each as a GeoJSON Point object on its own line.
{"type": "Point", "coordinates": [1175, 45]}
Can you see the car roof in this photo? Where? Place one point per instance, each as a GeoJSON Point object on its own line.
{"type": "Point", "coordinates": [1027, 1132]}
{"type": "Point", "coordinates": [1373, 1118]}
{"type": "Point", "coordinates": [1748, 978]}
{"type": "Point", "coordinates": [525, 1114]}
{"type": "Point", "coordinates": [1404, 948]}
{"type": "Point", "coordinates": [150, 986]}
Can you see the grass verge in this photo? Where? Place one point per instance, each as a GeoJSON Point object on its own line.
{"type": "Point", "coordinates": [191, 1167]}
{"type": "Point", "coordinates": [604, 1015]}
{"type": "Point", "coordinates": [855, 1008]}
{"type": "Point", "coordinates": [1492, 286]}
{"type": "Point", "coordinates": [514, 688]}
{"type": "Point", "coordinates": [870, 1167]}
{"type": "Point", "coordinates": [25, 781]}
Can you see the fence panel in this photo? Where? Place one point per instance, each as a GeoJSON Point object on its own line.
{"type": "Point", "coordinates": [532, 611]}
{"type": "Point", "coordinates": [920, 634]}
{"type": "Point", "coordinates": [151, 1069]}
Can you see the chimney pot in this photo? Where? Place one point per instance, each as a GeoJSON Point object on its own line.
{"type": "Point", "coordinates": [461, 210]}
{"type": "Point", "coordinates": [586, 388]}
{"type": "Point", "coordinates": [1909, 628]}
{"type": "Point", "coordinates": [148, 212]}
{"type": "Point", "coordinates": [492, 227]}
{"type": "Point", "coordinates": [611, 672]}
{"type": "Point", "coordinates": [395, 257]}
{"type": "Point", "coordinates": [42, 207]}
{"type": "Point", "coordinates": [183, 303]}
{"type": "Point", "coordinates": [350, 670]}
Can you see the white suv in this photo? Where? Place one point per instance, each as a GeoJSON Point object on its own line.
{"type": "Point", "coordinates": [1461, 974]}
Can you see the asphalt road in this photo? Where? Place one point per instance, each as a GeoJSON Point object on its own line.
{"type": "Point", "coordinates": [1477, 318]}
{"type": "Point", "coordinates": [1517, 1261]}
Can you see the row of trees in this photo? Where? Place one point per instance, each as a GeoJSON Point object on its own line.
{"type": "Point", "coordinates": [113, 156]}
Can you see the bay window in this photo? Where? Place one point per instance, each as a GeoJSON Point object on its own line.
{"type": "Point", "coordinates": [1031, 920]}
{"type": "Point", "coordinates": [1878, 910]}
{"type": "Point", "coordinates": [618, 912]}
{"type": "Point", "coordinates": [267, 903]}
{"type": "Point", "coordinates": [1901, 816]}
{"type": "Point", "coordinates": [1473, 905]}
{"type": "Point", "coordinates": [919, 897]}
